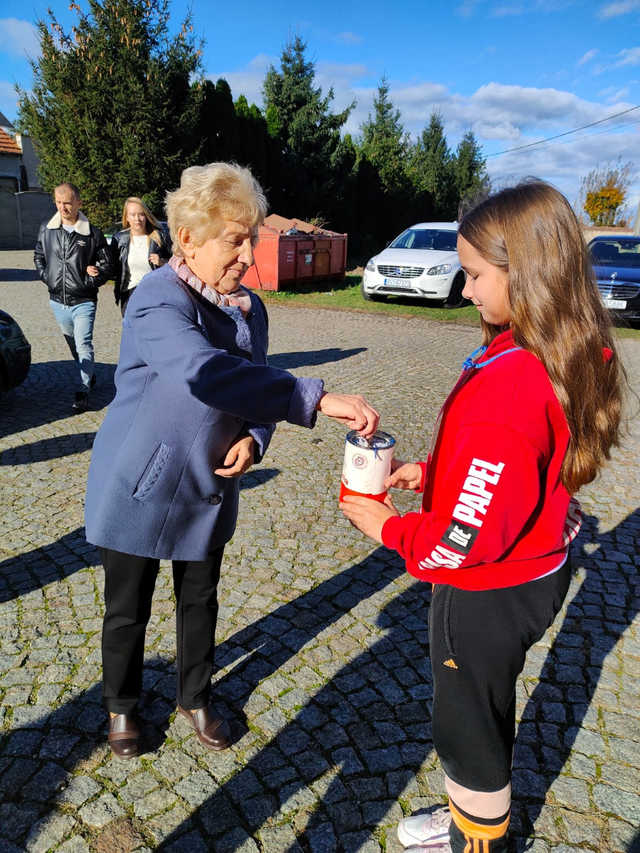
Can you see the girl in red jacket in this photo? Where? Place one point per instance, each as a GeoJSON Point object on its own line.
{"type": "Point", "coordinates": [531, 419]}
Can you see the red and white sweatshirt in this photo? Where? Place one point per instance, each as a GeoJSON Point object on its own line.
{"type": "Point", "coordinates": [494, 511]}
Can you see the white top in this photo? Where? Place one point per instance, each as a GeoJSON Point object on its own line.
{"type": "Point", "coordinates": [138, 260]}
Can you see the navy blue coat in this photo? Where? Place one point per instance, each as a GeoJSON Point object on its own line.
{"type": "Point", "coordinates": [191, 379]}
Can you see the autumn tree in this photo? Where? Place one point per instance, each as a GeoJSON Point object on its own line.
{"type": "Point", "coordinates": [113, 106]}
{"type": "Point", "coordinates": [603, 192]}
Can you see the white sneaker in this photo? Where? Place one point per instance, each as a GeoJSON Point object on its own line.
{"type": "Point", "coordinates": [426, 831]}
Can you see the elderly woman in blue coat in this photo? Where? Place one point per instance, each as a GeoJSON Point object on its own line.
{"type": "Point", "coordinates": [194, 408]}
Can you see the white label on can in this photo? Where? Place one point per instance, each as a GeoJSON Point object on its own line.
{"type": "Point", "coordinates": [365, 469]}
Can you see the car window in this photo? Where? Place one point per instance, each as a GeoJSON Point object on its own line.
{"type": "Point", "coordinates": [426, 238]}
{"type": "Point", "coordinates": [616, 253]}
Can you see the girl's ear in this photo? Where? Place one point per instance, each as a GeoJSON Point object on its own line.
{"type": "Point", "coordinates": [185, 241]}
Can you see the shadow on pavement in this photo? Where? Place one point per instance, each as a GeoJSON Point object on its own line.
{"type": "Point", "coordinates": [305, 358]}
{"type": "Point", "coordinates": [47, 393]}
{"type": "Point", "coordinates": [44, 750]}
{"type": "Point", "coordinates": [43, 756]}
{"type": "Point", "coordinates": [345, 743]}
{"type": "Point", "coordinates": [48, 448]}
{"type": "Point", "coordinates": [34, 569]}
{"type": "Point", "coordinates": [55, 743]}
{"type": "Point", "coordinates": [257, 477]}
{"type": "Point", "coordinates": [558, 718]}
{"type": "Point", "coordinates": [352, 745]}
{"type": "Point", "coordinates": [351, 748]}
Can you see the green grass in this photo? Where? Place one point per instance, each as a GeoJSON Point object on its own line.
{"type": "Point", "coordinates": [346, 296]}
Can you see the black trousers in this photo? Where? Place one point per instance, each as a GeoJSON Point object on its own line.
{"type": "Point", "coordinates": [124, 299]}
{"type": "Point", "coordinates": [478, 643]}
{"type": "Point", "coordinates": [129, 582]}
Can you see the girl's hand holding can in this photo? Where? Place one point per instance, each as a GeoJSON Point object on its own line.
{"type": "Point", "coordinates": [351, 410]}
{"type": "Point", "coordinates": [404, 475]}
{"type": "Point", "coordinates": [368, 515]}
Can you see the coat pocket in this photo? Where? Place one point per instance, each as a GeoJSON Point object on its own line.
{"type": "Point", "coordinates": [152, 472]}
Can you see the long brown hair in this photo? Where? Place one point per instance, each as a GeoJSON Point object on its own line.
{"type": "Point", "coordinates": [531, 232]}
{"type": "Point", "coordinates": [152, 226]}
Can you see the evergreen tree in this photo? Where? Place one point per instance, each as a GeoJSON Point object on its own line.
{"type": "Point", "coordinates": [384, 142]}
{"type": "Point", "coordinates": [299, 118]}
{"type": "Point", "coordinates": [471, 178]}
{"type": "Point", "coordinates": [254, 142]}
{"type": "Point", "coordinates": [113, 108]}
{"type": "Point", "coordinates": [431, 168]}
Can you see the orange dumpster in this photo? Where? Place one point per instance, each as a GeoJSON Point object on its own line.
{"type": "Point", "coordinates": [291, 251]}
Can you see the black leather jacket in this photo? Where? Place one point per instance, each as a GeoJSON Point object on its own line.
{"type": "Point", "coordinates": [62, 258]}
{"type": "Point", "coordinates": [120, 256]}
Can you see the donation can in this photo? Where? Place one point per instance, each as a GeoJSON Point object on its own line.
{"type": "Point", "coordinates": [367, 464]}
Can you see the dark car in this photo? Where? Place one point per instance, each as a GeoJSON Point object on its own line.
{"type": "Point", "coordinates": [15, 353]}
{"type": "Point", "coordinates": [616, 262]}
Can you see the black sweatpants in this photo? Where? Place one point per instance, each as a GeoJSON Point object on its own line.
{"type": "Point", "coordinates": [478, 642]}
{"type": "Point", "coordinates": [129, 582]}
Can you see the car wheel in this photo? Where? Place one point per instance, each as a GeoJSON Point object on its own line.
{"type": "Point", "coordinates": [455, 299]}
{"type": "Point", "coordinates": [369, 297]}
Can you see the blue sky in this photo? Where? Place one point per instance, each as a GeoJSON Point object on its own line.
{"type": "Point", "coordinates": [513, 71]}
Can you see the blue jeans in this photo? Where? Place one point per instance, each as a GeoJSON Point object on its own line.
{"type": "Point", "coordinates": [76, 322]}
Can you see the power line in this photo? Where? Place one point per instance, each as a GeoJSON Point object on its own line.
{"type": "Point", "coordinates": [566, 133]}
{"type": "Point", "coordinates": [606, 131]}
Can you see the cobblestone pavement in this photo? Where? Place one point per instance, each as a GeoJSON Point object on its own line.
{"type": "Point", "coordinates": [322, 646]}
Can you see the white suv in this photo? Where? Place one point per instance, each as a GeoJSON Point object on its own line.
{"type": "Point", "coordinates": [421, 263]}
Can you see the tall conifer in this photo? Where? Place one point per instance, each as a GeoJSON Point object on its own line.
{"type": "Point", "coordinates": [113, 104]}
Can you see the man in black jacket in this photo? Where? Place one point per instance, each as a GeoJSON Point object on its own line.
{"type": "Point", "coordinates": [72, 259]}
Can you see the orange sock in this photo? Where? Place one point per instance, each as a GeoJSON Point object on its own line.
{"type": "Point", "coordinates": [471, 834]}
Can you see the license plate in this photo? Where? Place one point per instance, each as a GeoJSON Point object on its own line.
{"type": "Point", "coordinates": [615, 304]}
{"type": "Point", "coordinates": [398, 282]}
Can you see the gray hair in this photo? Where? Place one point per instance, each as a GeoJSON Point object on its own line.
{"type": "Point", "coordinates": [210, 194]}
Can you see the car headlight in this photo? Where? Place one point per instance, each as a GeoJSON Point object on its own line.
{"type": "Point", "coordinates": [441, 269]}
{"type": "Point", "coordinates": [370, 265]}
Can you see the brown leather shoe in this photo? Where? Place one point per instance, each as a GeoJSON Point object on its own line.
{"type": "Point", "coordinates": [211, 732]}
{"type": "Point", "coordinates": [123, 736]}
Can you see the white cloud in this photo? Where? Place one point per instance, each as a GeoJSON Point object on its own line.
{"type": "Point", "coordinates": [629, 56]}
{"type": "Point", "coordinates": [467, 8]}
{"type": "Point", "coordinates": [505, 11]}
{"type": "Point", "coordinates": [512, 8]}
{"type": "Point", "coordinates": [342, 78]}
{"type": "Point", "coordinates": [8, 99]}
{"type": "Point", "coordinates": [247, 81]}
{"type": "Point", "coordinates": [349, 38]}
{"type": "Point", "coordinates": [564, 163]}
{"type": "Point", "coordinates": [501, 116]}
{"type": "Point", "coordinates": [617, 8]}
{"type": "Point", "coordinates": [19, 37]}
{"type": "Point", "coordinates": [612, 93]}
{"type": "Point", "coordinates": [587, 57]}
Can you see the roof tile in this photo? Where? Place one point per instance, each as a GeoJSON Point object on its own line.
{"type": "Point", "coordinates": [8, 145]}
